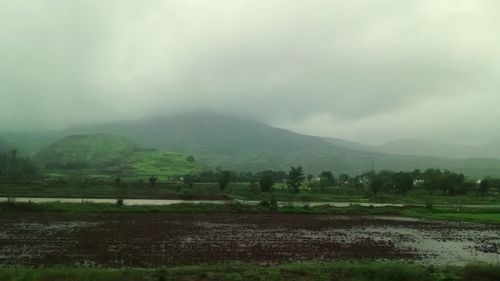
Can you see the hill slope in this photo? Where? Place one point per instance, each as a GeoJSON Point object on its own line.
{"type": "Point", "coordinates": [233, 143]}
{"type": "Point", "coordinates": [4, 146]}
{"type": "Point", "coordinates": [438, 149]}
{"type": "Point", "coordinates": [30, 143]}
{"type": "Point", "coordinates": [203, 130]}
{"type": "Point", "coordinates": [110, 154]}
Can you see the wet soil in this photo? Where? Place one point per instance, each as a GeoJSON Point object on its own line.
{"type": "Point", "coordinates": [151, 240]}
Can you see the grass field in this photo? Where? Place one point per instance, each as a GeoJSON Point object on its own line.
{"type": "Point", "coordinates": [359, 271]}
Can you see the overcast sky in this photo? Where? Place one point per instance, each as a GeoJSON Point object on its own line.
{"type": "Point", "coordinates": [369, 71]}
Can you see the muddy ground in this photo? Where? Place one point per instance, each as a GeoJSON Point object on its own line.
{"type": "Point", "coordinates": [150, 240]}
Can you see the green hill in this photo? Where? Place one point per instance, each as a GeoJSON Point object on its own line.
{"type": "Point", "coordinates": [111, 154]}
{"type": "Point", "coordinates": [30, 143]}
{"type": "Point", "coordinates": [205, 130]}
{"type": "Point", "coordinates": [242, 145]}
{"type": "Point", "coordinates": [4, 146]}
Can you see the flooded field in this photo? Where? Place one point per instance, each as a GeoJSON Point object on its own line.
{"type": "Point", "coordinates": [178, 239]}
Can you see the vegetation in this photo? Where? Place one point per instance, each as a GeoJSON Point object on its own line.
{"type": "Point", "coordinates": [241, 145]}
{"type": "Point", "coordinates": [223, 179]}
{"type": "Point", "coordinates": [13, 167]}
{"type": "Point", "coordinates": [267, 181]}
{"type": "Point", "coordinates": [106, 154]}
{"type": "Point", "coordinates": [486, 215]}
{"type": "Point", "coordinates": [295, 179]}
{"type": "Point", "coordinates": [369, 271]}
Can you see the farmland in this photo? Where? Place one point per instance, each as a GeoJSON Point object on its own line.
{"type": "Point", "coordinates": [153, 240]}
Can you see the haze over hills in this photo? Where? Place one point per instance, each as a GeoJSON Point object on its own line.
{"type": "Point", "coordinates": [206, 131]}
{"type": "Point", "coordinates": [238, 144]}
{"type": "Point", "coordinates": [438, 149]}
{"type": "Point", "coordinates": [4, 146]}
{"type": "Point", "coordinates": [243, 145]}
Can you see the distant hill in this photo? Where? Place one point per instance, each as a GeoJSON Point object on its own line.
{"type": "Point", "coordinates": [238, 144]}
{"type": "Point", "coordinates": [438, 149]}
{"type": "Point", "coordinates": [5, 146]}
{"type": "Point", "coordinates": [111, 154]}
{"type": "Point", "coordinates": [349, 144]}
{"type": "Point", "coordinates": [207, 131]}
{"type": "Point", "coordinates": [30, 143]}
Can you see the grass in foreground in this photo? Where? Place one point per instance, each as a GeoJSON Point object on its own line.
{"type": "Point", "coordinates": [360, 271]}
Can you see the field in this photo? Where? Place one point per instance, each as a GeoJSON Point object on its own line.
{"type": "Point", "coordinates": [154, 240]}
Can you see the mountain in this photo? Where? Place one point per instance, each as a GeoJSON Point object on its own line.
{"type": "Point", "coordinates": [207, 131]}
{"type": "Point", "coordinates": [349, 144]}
{"type": "Point", "coordinates": [438, 149]}
{"type": "Point", "coordinates": [29, 144]}
{"type": "Point", "coordinates": [111, 154]}
{"type": "Point", "coordinates": [243, 145]}
{"type": "Point", "coordinates": [5, 146]}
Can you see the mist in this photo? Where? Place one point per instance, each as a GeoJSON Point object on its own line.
{"type": "Point", "coordinates": [369, 71]}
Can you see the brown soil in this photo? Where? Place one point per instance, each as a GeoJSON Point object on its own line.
{"type": "Point", "coordinates": [148, 240]}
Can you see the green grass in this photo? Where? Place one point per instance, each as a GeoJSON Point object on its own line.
{"type": "Point", "coordinates": [340, 271]}
{"type": "Point", "coordinates": [105, 154]}
{"type": "Point", "coordinates": [145, 164]}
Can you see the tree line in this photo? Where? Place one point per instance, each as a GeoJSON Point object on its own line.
{"type": "Point", "coordinates": [14, 167]}
{"type": "Point", "coordinates": [432, 181]}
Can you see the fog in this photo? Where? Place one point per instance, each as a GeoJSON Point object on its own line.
{"type": "Point", "coordinates": [369, 71]}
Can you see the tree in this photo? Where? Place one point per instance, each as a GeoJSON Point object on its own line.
{"type": "Point", "coordinates": [266, 181]}
{"type": "Point", "coordinates": [152, 181]}
{"type": "Point", "coordinates": [295, 179]}
{"type": "Point", "coordinates": [189, 179]}
{"type": "Point", "coordinates": [14, 168]}
{"type": "Point", "coordinates": [223, 179]}
{"type": "Point", "coordinates": [484, 186]}
{"type": "Point", "coordinates": [310, 178]}
{"type": "Point", "coordinates": [376, 185]}
{"type": "Point", "coordinates": [343, 178]}
{"type": "Point", "coordinates": [326, 179]}
{"type": "Point", "coordinates": [207, 176]}
{"type": "Point", "coordinates": [118, 182]}
{"type": "Point", "coordinates": [403, 182]}
{"type": "Point", "coordinates": [190, 158]}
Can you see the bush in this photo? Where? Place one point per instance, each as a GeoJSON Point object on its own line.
{"type": "Point", "coordinates": [119, 202]}
{"type": "Point", "coordinates": [186, 195]}
{"type": "Point", "coordinates": [264, 203]}
{"type": "Point", "coordinates": [273, 205]}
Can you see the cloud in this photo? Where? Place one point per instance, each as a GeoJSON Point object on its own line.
{"type": "Point", "coordinates": [289, 62]}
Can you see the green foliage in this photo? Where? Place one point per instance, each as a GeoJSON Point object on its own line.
{"type": "Point", "coordinates": [295, 179]}
{"type": "Point", "coordinates": [376, 185]}
{"type": "Point", "coordinates": [152, 181]}
{"type": "Point", "coordinates": [111, 155]}
{"type": "Point", "coordinates": [484, 186]}
{"type": "Point", "coordinates": [403, 182]}
{"type": "Point", "coordinates": [326, 179]}
{"type": "Point", "coordinates": [224, 178]}
{"type": "Point", "coordinates": [14, 168]}
{"type": "Point", "coordinates": [266, 181]}
{"type": "Point", "coordinates": [300, 271]}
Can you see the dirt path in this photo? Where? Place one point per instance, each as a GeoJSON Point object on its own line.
{"type": "Point", "coordinates": [177, 239]}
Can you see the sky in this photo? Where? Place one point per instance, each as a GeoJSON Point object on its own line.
{"type": "Point", "coordinates": [364, 70]}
